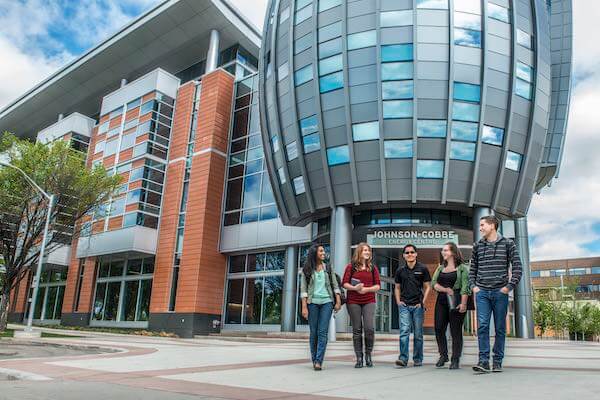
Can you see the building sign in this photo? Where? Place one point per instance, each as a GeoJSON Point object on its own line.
{"type": "Point", "coordinates": [427, 238]}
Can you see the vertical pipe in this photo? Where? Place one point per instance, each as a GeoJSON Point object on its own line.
{"type": "Point", "coordinates": [340, 249]}
{"type": "Point", "coordinates": [212, 55]}
{"type": "Point", "coordinates": [523, 299]}
{"type": "Point", "coordinates": [290, 275]}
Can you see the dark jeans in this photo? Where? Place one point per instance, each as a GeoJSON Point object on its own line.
{"type": "Point", "coordinates": [411, 318]}
{"type": "Point", "coordinates": [318, 321]}
{"type": "Point", "coordinates": [491, 302]}
{"type": "Point", "coordinates": [362, 317]}
{"type": "Point", "coordinates": [443, 317]}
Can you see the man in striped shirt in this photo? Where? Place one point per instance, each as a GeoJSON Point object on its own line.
{"type": "Point", "coordinates": [491, 278]}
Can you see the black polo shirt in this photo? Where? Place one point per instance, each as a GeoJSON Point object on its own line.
{"type": "Point", "coordinates": [411, 283]}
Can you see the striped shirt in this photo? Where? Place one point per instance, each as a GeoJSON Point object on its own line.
{"type": "Point", "coordinates": [491, 262]}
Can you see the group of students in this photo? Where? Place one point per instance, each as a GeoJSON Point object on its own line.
{"type": "Point", "coordinates": [495, 269]}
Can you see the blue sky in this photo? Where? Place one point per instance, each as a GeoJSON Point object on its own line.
{"type": "Point", "coordinates": [39, 36]}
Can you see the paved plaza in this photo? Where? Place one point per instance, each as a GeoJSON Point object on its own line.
{"type": "Point", "coordinates": [241, 368]}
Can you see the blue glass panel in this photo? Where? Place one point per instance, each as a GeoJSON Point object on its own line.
{"type": "Point", "coordinates": [331, 64]}
{"type": "Point", "coordinates": [513, 161]}
{"type": "Point", "coordinates": [467, 92]}
{"type": "Point", "coordinates": [397, 90]}
{"type": "Point", "coordinates": [398, 148]}
{"type": "Point", "coordinates": [254, 166]}
{"type": "Point", "coordinates": [492, 135]}
{"type": "Point", "coordinates": [292, 151]}
{"type": "Point", "coordinates": [524, 72]}
{"type": "Point", "coordinates": [269, 212]}
{"type": "Point", "coordinates": [465, 111]}
{"type": "Point", "coordinates": [397, 109]}
{"type": "Point", "coordinates": [498, 12]}
{"type": "Point", "coordinates": [524, 39]}
{"type": "Point", "coordinates": [431, 128]}
{"type": "Point", "coordinates": [250, 215]}
{"type": "Point", "coordinates": [397, 52]}
{"type": "Point", "coordinates": [467, 21]}
{"type": "Point", "coordinates": [396, 71]}
{"type": "Point", "coordinates": [362, 39]}
{"type": "Point", "coordinates": [251, 190]}
{"type": "Point", "coordinates": [338, 155]}
{"type": "Point", "coordinates": [330, 48]}
{"type": "Point", "coordinates": [331, 82]}
{"type": "Point", "coordinates": [396, 18]}
{"type": "Point", "coordinates": [303, 75]}
{"type": "Point", "coordinates": [523, 89]}
{"type": "Point", "coordinates": [462, 151]}
{"type": "Point", "coordinates": [311, 143]}
{"type": "Point", "coordinates": [437, 4]}
{"type": "Point", "coordinates": [299, 185]}
{"type": "Point", "coordinates": [327, 4]}
{"type": "Point", "coordinates": [267, 191]}
{"type": "Point", "coordinates": [303, 15]}
{"type": "Point", "coordinates": [465, 131]}
{"type": "Point", "coordinates": [302, 3]}
{"type": "Point", "coordinates": [467, 37]}
{"type": "Point", "coordinates": [309, 125]}
{"type": "Point", "coordinates": [430, 169]}
{"type": "Point", "coordinates": [470, 6]}
{"type": "Point", "coordinates": [365, 131]}
{"type": "Point", "coordinates": [275, 143]}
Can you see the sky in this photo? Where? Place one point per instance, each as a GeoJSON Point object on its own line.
{"type": "Point", "coordinates": [40, 36]}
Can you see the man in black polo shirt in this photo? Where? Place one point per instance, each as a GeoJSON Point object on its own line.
{"type": "Point", "coordinates": [411, 279]}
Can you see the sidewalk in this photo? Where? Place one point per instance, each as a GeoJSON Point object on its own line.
{"type": "Point", "coordinates": [227, 368]}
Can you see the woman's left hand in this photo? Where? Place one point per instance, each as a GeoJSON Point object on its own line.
{"type": "Point", "coordinates": [337, 306]}
{"type": "Point", "coordinates": [462, 308]}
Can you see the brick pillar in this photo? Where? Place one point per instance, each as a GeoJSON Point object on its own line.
{"type": "Point", "coordinates": [19, 298]}
{"type": "Point", "coordinates": [78, 313]}
{"type": "Point", "coordinates": [167, 234]}
{"type": "Point", "coordinates": [202, 271]}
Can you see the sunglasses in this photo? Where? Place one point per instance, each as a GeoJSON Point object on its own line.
{"type": "Point", "coordinates": [410, 252]}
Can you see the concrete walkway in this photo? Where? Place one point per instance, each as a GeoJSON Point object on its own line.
{"type": "Point", "coordinates": [214, 367]}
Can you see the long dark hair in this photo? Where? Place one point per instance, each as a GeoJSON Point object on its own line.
{"type": "Point", "coordinates": [310, 265]}
{"type": "Point", "coordinates": [456, 253]}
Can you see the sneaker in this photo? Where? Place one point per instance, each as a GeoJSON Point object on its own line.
{"type": "Point", "coordinates": [441, 362]}
{"type": "Point", "coordinates": [418, 364]}
{"type": "Point", "coordinates": [483, 367]}
{"type": "Point", "coordinates": [401, 363]}
{"type": "Point", "coordinates": [454, 364]}
{"type": "Point", "coordinates": [497, 367]}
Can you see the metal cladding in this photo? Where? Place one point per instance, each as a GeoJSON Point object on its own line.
{"type": "Point", "coordinates": [437, 102]}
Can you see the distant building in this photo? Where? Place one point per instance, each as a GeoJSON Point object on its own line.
{"type": "Point", "coordinates": [549, 277]}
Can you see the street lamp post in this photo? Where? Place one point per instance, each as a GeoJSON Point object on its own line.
{"type": "Point", "coordinates": [38, 272]}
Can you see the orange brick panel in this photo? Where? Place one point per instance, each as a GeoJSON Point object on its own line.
{"type": "Point", "coordinates": [145, 117]}
{"type": "Point", "coordinates": [142, 138]}
{"type": "Point", "coordinates": [87, 285]}
{"type": "Point", "coordinates": [114, 122]}
{"type": "Point", "coordinates": [20, 293]}
{"type": "Point", "coordinates": [125, 155]}
{"type": "Point", "coordinates": [138, 163]}
{"type": "Point", "coordinates": [148, 96]}
{"type": "Point", "coordinates": [180, 129]}
{"type": "Point", "coordinates": [131, 114]}
{"type": "Point", "coordinates": [115, 223]}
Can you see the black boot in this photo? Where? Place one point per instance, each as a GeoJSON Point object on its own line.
{"type": "Point", "coordinates": [454, 364]}
{"type": "Point", "coordinates": [368, 361]}
{"type": "Point", "coordinates": [359, 360]}
{"type": "Point", "coordinates": [442, 360]}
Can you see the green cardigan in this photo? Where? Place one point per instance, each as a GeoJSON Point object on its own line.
{"type": "Point", "coordinates": [462, 278]}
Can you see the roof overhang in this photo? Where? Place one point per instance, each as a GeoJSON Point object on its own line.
{"type": "Point", "coordinates": [172, 36]}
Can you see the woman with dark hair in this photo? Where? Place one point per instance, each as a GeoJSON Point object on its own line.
{"type": "Point", "coordinates": [320, 294]}
{"type": "Point", "coordinates": [361, 279]}
{"type": "Point", "coordinates": [451, 282]}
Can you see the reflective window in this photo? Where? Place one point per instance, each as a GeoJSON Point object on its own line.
{"type": "Point", "coordinates": [103, 128]}
{"type": "Point", "coordinates": [467, 37]}
{"type": "Point", "coordinates": [303, 75]}
{"type": "Point", "coordinates": [330, 64]}
{"type": "Point", "coordinates": [133, 104]}
{"type": "Point", "coordinates": [327, 4]}
{"type": "Point", "coordinates": [128, 141]}
{"type": "Point", "coordinates": [338, 155]}
{"type": "Point", "coordinates": [396, 18]}
{"type": "Point", "coordinates": [281, 174]}
{"type": "Point", "coordinates": [431, 128]}
{"type": "Point", "coordinates": [396, 71]}
{"type": "Point", "coordinates": [275, 143]}
{"type": "Point", "coordinates": [309, 125]}
{"type": "Point", "coordinates": [491, 135]}
{"type": "Point", "coordinates": [433, 169]}
{"type": "Point", "coordinates": [397, 109]}
{"type": "Point", "coordinates": [365, 131]}
{"type": "Point", "coordinates": [513, 161]}
{"type": "Point", "coordinates": [470, 6]}
{"type": "Point", "coordinates": [99, 147]}
{"type": "Point", "coordinates": [303, 14]}
{"type": "Point", "coordinates": [311, 143]}
{"type": "Point", "coordinates": [397, 52]}
{"type": "Point", "coordinates": [331, 82]}
{"type": "Point", "coordinates": [524, 39]}
{"type": "Point", "coordinates": [398, 148]}
{"type": "Point", "coordinates": [466, 131]}
{"type": "Point", "coordinates": [498, 12]}
{"type": "Point", "coordinates": [302, 43]}
{"type": "Point", "coordinates": [397, 90]}
{"type": "Point", "coordinates": [523, 89]}
{"type": "Point", "coordinates": [299, 185]}
{"type": "Point", "coordinates": [462, 151]}
{"type": "Point", "coordinates": [111, 148]}
{"type": "Point", "coordinates": [331, 31]}
{"type": "Point", "coordinates": [467, 92]}
{"type": "Point", "coordinates": [465, 111]}
{"type": "Point", "coordinates": [524, 72]}
{"type": "Point", "coordinates": [467, 21]}
{"type": "Point", "coordinates": [362, 39]}
{"type": "Point", "coordinates": [436, 4]}
{"type": "Point", "coordinates": [302, 3]}
{"type": "Point", "coordinates": [282, 71]}
{"type": "Point", "coordinates": [330, 48]}
{"type": "Point", "coordinates": [284, 15]}
{"type": "Point", "coordinates": [292, 151]}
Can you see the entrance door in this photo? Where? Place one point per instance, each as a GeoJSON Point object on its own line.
{"type": "Point", "coordinates": [386, 313]}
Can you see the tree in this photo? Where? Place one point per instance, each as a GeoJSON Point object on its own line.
{"type": "Point", "coordinates": [59, 170]}
{"type": "Point", "coordinates": [543, 314]}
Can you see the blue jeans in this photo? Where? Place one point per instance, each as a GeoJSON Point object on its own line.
{"type": "Point", "coordinates": [411, 318]}
{"type": "Point", "coordinates": [318, 321]}
{"type": "Point", "coordinates": [488, 302]}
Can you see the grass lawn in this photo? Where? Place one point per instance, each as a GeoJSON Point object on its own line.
{"type": "Point", "coordinates": [6, 333]}
{"type": "Point", "coordinates": [10, 333]}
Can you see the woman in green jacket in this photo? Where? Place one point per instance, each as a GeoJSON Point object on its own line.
{"type": "Point", "coordinates": [450, 279]}
{"type": "Point", "coordinates": [320, 294]}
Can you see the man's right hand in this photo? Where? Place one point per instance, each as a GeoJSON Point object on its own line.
{"type": "Point", "coordinates": [475, 289]}
{"type": "Point", "coordinates": [401, 303]}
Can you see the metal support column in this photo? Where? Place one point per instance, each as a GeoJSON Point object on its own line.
{"type": "Point", "coordinates": [289, 297]}
{"type": "Point", "coordinates": [523, 294]}
{"type": "Point", "coordinates": [341, 242]}
{"type": "Point", "coordinates": [212, 55]}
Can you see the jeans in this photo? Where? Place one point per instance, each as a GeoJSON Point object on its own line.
{"type": "Point", "coordinates": [488, 302]}
{"type": "Point", "coordinates": [318, 321]}
{"type": "Point", "coordinates": [443, 317]}
{"type": "Point", "coordinates": [362, 317]}
{"type": "Point", "coordinates": [411, 318]}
